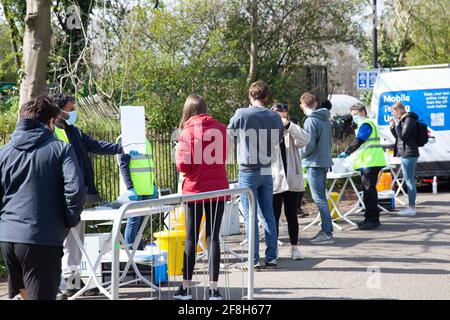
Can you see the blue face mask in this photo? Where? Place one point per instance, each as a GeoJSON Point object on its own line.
{"type": "Point", "coordinates": [72, 118]}
{"type": "Point", "coordinates": [357, 119]}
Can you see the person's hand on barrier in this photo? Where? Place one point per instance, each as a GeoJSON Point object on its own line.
{"type": "Point", "coordinates": [343, 155]}
{"type": "Point", "coordinates": [134, 153]}
{"type": "Point", "coordinates": [132, 195]}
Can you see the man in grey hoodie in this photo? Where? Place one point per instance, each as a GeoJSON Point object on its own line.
{"type": "Point", "coordinates": [317, 160]}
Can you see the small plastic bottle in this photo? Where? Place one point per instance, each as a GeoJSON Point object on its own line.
{"type": "Point", "coordinates": [435, 186]}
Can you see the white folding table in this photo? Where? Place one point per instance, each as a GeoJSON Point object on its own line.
{"type": "Point", "coordinates": [394, 165]}
{"type": "Point", "coordinates": [115, 216]}
{"type": "Point", "coordinates": [348, 176]}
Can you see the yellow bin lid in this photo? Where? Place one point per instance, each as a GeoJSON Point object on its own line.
{"type": "Point", "coordinates": [170, 234]}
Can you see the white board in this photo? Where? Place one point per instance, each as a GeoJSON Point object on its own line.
{"type": "Point", "coordinates": [132, 122]}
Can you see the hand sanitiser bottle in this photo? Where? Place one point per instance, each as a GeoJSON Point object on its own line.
{"type": "Point", "coordinates": [435, 186]}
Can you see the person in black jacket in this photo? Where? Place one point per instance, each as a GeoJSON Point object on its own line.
{"type": "Point", "coordinates": [404, 129]}
{"type": "Point", "coordinates": [82, 144]}
{"type": "Point", "coordinates": [41, 198]}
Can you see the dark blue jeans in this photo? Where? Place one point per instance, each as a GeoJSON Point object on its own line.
{"type": "Point", "coordinates": [133, 226]}
{"type": "Point", "coordinates": [317, 179]}
{"type": "Point", "coordinates": [262, 188]}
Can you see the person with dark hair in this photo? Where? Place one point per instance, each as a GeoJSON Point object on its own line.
{"type": "Point", "coordinates": [41, 197]}
{"type": "Point", "coordinates": [83, 144]}
{"type": "Point", "coordinates": [258, 132]}
{"type": "Point", "coordinates": [367, 156]}
{"type": "Point", "coordinates": [287, 174]}
{"type": "Point", "coordinates": [326, 104]}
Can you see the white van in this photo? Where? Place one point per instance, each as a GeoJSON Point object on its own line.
{"type": "Point", "coordinates": [425, 92]}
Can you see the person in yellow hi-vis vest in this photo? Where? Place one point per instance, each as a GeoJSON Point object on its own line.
{"type": "Point", "coordinates": [367, 156]}
{"type": "Point", "coordinates": [83, 145]}
{"type": "Point", "coordinates": [138, 173]}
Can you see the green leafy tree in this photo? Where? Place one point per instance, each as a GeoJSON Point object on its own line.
{"type": "Point", "coordinates": [412, 32]}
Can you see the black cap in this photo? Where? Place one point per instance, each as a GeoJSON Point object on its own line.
{"type": "Point", "coordinates": [326, 104]}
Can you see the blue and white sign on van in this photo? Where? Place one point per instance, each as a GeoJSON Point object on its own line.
{"type": "Point", "coordinates": [431, 105]}
{"type": "Point", "coordinates": [366, 79]}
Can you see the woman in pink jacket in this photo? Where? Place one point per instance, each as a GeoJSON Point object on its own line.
{"type": "Point", "coordinates": [201, 157]}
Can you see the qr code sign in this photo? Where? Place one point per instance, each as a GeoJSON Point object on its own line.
{"type": "Point", "coordinates": [437, 119]}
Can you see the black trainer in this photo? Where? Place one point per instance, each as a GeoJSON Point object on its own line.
{"type": "Point", "coordinates": [361, 222]}
{"type": "Point", "coordinates": [369, 225]}
{"type": "Point", "coordinates": [183, 294]}
{"type": "Point", "coordinates": [215, 294]}
{"type": "Point", "coordinates": [67, 293]}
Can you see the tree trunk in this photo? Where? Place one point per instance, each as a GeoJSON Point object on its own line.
{"type": "Point", "coordinates": [36, 47]}
{"type": "Point", "coordinates": [253, 41]}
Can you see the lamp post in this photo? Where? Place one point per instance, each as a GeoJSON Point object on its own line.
{"type": "Point", "coordinates": [374, 36]}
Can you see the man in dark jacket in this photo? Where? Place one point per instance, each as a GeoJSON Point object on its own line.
{"type": "Point", "coordinates": [82, 144]}
{"type": "Point", "coordinates": [41, 198]}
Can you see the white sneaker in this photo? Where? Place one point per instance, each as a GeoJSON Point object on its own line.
{"type": "Point", "coordinates": [296, 254]}
{"type": "Point", "coordinates": [408, 212]}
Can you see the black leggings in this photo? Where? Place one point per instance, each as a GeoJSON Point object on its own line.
{"type": "Point", "coordinates": [194, 212]}
{"type": "Point", "coordinates": [290, 200]}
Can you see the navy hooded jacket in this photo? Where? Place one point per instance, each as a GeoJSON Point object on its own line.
{"type": "Point", "coordinates": [84, 144]}
{"type": "Point", "coordinates": [41, 190]}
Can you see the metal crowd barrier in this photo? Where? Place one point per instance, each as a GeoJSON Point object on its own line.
{"type": "Point", "coordinates": [135, 209]}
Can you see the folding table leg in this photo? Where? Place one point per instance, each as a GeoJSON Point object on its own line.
{"type": "Point", "coordinates": [91, 269]}
{"type": "Point", "coordinates": [399, 183]}
{"type": "Point", "coordinates": [360, 202]}
{"type": "Point", "coordinates": [312, 223]}
{"type": "Point", "coordinates": [335, 205]}
{"type": "Point", "coordinates": [131, 255]}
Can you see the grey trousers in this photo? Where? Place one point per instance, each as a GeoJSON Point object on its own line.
{"type": "Point", "coordinates": [72, 255]}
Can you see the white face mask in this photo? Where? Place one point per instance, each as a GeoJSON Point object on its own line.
{"type": "Point", "coordinates": [308, 111]}
{"type": "Point", "coordinates": [357, 119]}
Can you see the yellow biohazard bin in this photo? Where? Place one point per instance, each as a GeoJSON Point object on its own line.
{"type": "Point", "coordinates": [173, 242]}
{"type": "Point", "coordinates": [177, 222]}
{"type": "Point", "coordinates": [335, 197]}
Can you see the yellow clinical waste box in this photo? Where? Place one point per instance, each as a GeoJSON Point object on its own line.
{"type": "Point", "coordinates": [173, 242]}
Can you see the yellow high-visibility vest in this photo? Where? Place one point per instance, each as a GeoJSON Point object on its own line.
{"type": "Point", "coordinates": [142, 172]}
{"type": "Point", "coordinates": [61, 135]}
{"type": "Point", "coordinates": [370, 154]}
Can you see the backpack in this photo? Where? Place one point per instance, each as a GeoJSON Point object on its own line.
{"type": "Point", "coordinates": [422, 134]}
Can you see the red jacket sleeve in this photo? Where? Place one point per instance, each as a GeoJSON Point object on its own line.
{"type": "Point", "coordinates": [183, 155]}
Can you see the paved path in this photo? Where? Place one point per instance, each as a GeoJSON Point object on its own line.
{"type": "Point", "coordinates": [406, 258]}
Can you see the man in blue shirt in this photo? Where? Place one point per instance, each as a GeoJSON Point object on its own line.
{"type": "Point", "coordinates": [369, 161]}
